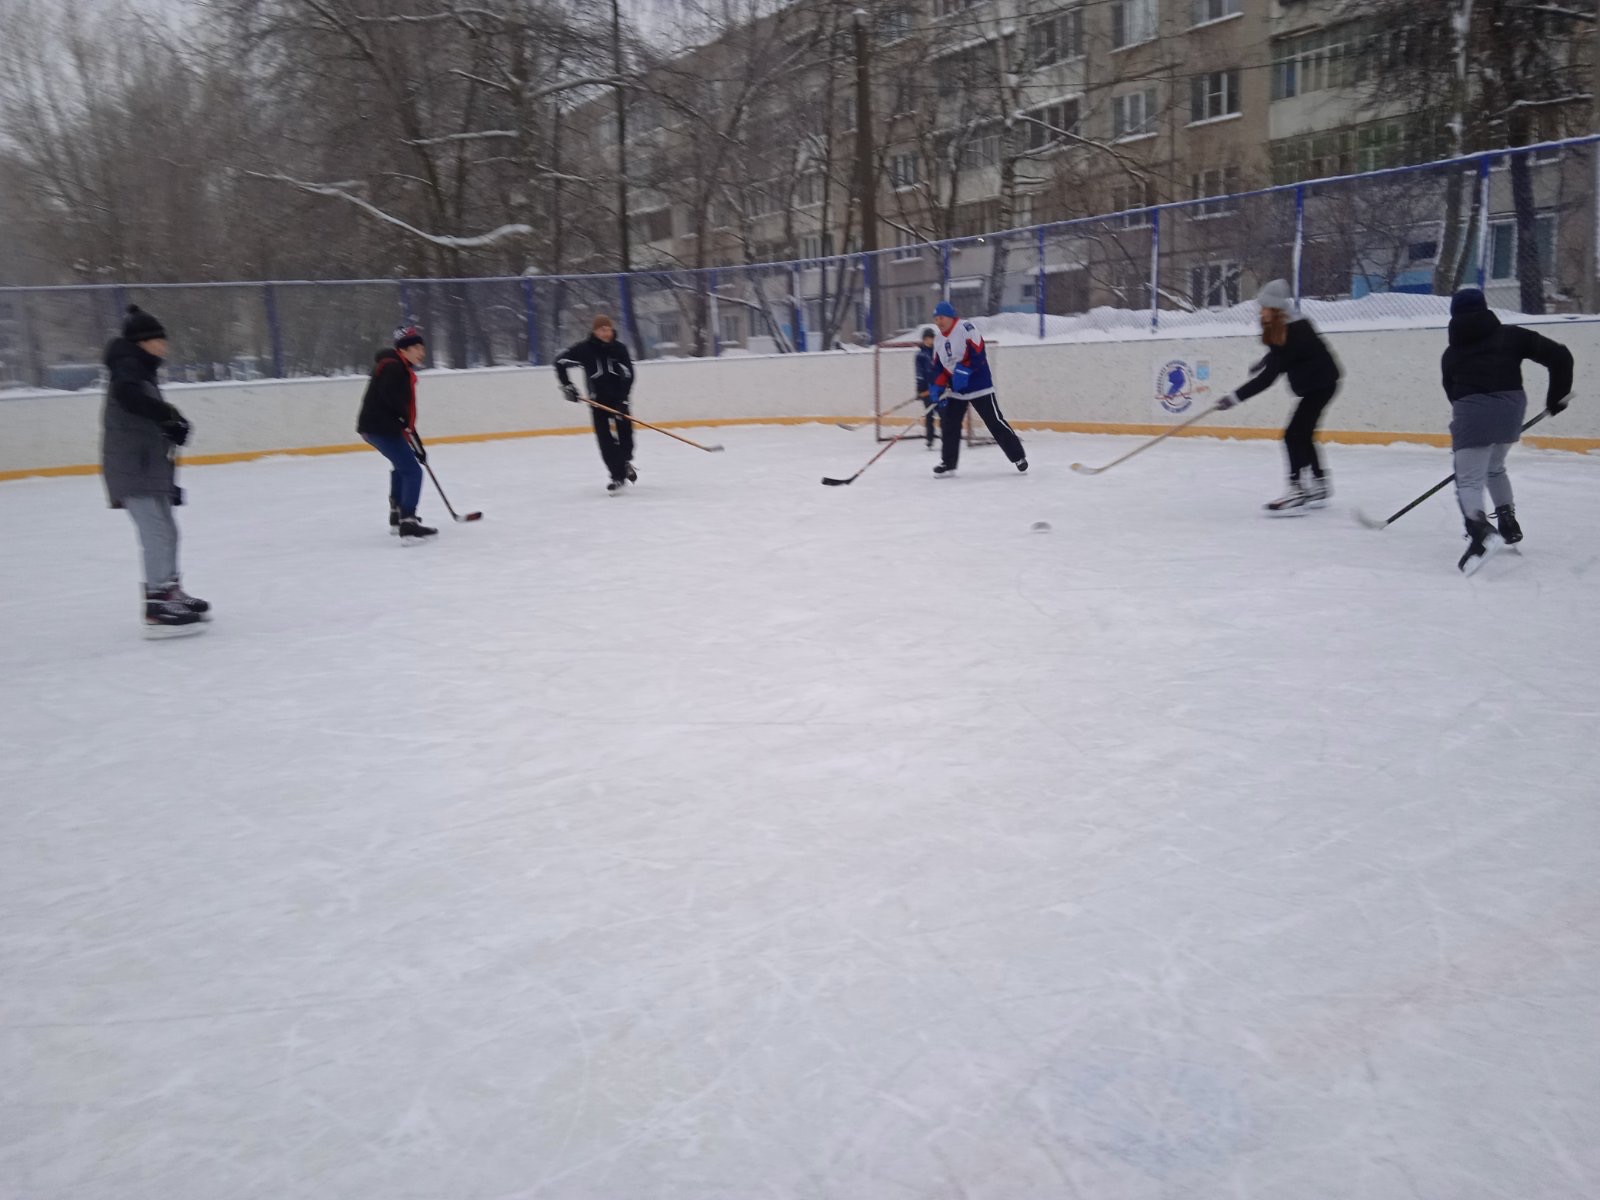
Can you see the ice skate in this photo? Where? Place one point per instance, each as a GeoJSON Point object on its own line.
{"type": "Point", "coordinates": [1318, 490]}
{"type": "Point", "coordinates": [414, 533]}
{"type": "Point", "coordinates": [1291, 504]}
{"type": "Point", "coordinates": [194, 604]}
{"type": "Point", "coordinates": [394, 518]}
{"type": "Point", "coordinates": [1022, 465]}
{"type": "Point", "coordinates": [1483, 541]}
{"type": "Point", "coordinates": [1505, 517]}
{"type": "Point", "coordinates": [942, 470]}
{"type": "Point", "coordinates": [166, 617]}
{"type": "Point", "coordinates": [614, 488]}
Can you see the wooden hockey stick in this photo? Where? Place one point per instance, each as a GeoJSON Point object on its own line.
{"type": "Point", "coordinates": [1083, 470]}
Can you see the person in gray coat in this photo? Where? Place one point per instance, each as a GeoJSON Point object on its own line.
{"type": "Point", "coordinates": [1482, 373]}
{"type": "Point", "coordinates": [138, 453]}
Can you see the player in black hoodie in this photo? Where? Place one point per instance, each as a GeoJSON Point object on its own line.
{"type": "Point", "coordinates": [1482, 372]}
{"type": "Point", "coordinates": [388, 423]}
{"type": "Point", "coordinates": [608, 371]}
{"type": "Point", "coordinates": [1295, 349]}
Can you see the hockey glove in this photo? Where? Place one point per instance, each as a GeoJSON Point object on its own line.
{"type": "Point", "coordinates": [936, 396]}
{"type": "Point", "coordinates": [570, 392]}
{"type": "Point", "coordinates": [1557, 404]}
{"type": "Point", "coordinates": [176, 429]}
{"type": "Point", "coordinates": [960, 378]}
{"type": "Point", "coordinates": [417, 447]}
{"type": "Point", "coordinates": [1228, 401]}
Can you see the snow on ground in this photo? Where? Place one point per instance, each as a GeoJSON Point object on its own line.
{"type": "Point", "coordinates": [742, 838]}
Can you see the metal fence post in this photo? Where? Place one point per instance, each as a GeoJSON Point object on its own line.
{"type": "Point", "coordinates": [716, 319]}
{"type": "Point", "coordinates": [269, 298]}
{"type": "Point", "coordinates": [797, 305]}
{"type": "Point", "coordinates": [868, 267]}
{"type": "Point", "coordinates": [1155, 270]}
{"type": "Point", "coordinates": [1039, 284]}
{"type": "Point", "coordinates": [944, 270]}
{"type": "Point", "coordinates": [405, 303]}
{"type": "Point", "coordinates": [1483, 220]}
{"type": "Point", "coordinates": [1299, 239]}
{"type": "Point", "coordinates": [530, 319]}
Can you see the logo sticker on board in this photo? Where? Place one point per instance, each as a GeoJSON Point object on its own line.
{"type": "Point", "coordinates": [1180, 383]}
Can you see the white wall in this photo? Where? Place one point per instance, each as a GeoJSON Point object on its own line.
{"type": "Point", "coordinates": [1391, 386]}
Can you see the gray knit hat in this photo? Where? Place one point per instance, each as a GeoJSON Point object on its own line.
{"type": "Point", "coordinates": [1276, 295]}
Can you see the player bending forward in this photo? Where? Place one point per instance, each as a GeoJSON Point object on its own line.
{"type": "Point", "coordinates": [1295, 349]}
{"type": "Point", "coordinates": [961, 378]}
{"type": "Point", "coordinates": [1483, 377]}
{"type": "Point", "coordinates": [388, 423]}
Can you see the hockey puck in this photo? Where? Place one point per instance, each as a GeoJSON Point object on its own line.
{"type": "Point", "coordinates": [1040, 527]}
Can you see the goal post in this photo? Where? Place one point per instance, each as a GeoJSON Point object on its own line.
{"type": "Point", "coordinates": [894, 382]}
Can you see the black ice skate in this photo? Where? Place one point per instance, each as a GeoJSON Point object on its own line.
{"type": "Point", "coordinates": [1506, 518]}
{"type": "Point", "coordinates": [1318, 490]}
{"type": "Point", "coordinates": [166, 617]}
{"type": "Point", "coordinates": [194, 604]}
{"type": "Point", "coordinates": [614, 488]}
{"type": "Point", "coordinates": [633, 476]}
{"type": "Point", "coordinates": [413, 532]}
{"type": "Point", "coordinates": [1022, 465]}
{"type": "Point", "coordinates": [942, 470]}
{"type": "Point", "coordinates": [1291, 504]}
{"type": "Point", "coordinates": [1483, 540]}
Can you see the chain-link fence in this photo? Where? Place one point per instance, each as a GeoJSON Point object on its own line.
{"type": "Point", "coordinates": [1376, 250]}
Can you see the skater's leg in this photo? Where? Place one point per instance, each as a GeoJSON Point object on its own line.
{"type": "Point", "coordinates": [1497, 479]}
{"type": "Point", "coordinates": [988, 407]}
{"type": "Point", "coordinates": [158, 537]}
{"type": "Point", "coordinates": [1472, 469]}
{"type": "Point", "coordinates": [624, 437]}
{"type": "Point", "coordinates": [950, 419]}
{"type": "Point", "coordinates": [1303, 424]}
{"type": "Point", "coordinates": [405, 486]}
{"type": "Point", "coordinates": [606, 440]}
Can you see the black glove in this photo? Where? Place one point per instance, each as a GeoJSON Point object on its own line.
{"type": "Point", "coordinates": [571, 392]}
{"type": "Point", "coordinates": [1557, 404]}
{"type": "Point", "coordinates": [417, 447]}
{"type": "Point", "coordinates": [1224, 403]}
{"type": "Point", "coordinates": [175, 428]}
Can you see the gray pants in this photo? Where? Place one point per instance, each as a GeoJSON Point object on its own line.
{"type": "Point", "coordinates": [158, 535]}
{"type": "Point", "coordinates": [1477, 466]}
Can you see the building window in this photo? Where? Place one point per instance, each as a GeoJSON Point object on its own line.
{"type": "Point", "coordinates": [981, 150]}
{"type": "Point", "coordinates": [894, 25]}
{"type": "Point", "coordinates": [1216, 188]}
{"type": "Point", "coordinates": [729, 332]}
{"type": "Point", "coordinates": [809, 190]}
{"type": "Point", "coordinates": [667, 330]}
{"type": "Point", "coordinates": [1135, 202]}
{"type": "Point", "coordinates": [1134, 114]}
{"type": "Point", "coordinates": [949, 8]}
{"type": "Point", "coordinates": [1324, 58]}
{"type": "Point", "coordinates": [1213, 95]}
{"type": "Point", "coordinates": [816, 245]}
{"type": "Point", "coordinates": [653, 226]}
{"type": "Point", "coordinates": [1502, 264]}
{"type": "Point", "coordinates": [913, 309]}
{"type": "Point", "coordinates": [1214, 285]}
{"type": "Point", "coordinates": [1202, 12]}
{"type": "Point", "coordinates": [1057, 38]}
{"type": "Point", "coordinates": [903, 171]}
{"type": "Point", "coordinates": [1049, 125]}
{"type": "Point", "coordinates": [1132, 22]}
{"type": "Point", "coordinates": [907, 246]}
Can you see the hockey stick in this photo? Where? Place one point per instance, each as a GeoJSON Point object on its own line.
{"type": "Point", "coordinates": [1083, 470]}
{"type": "Point", "coordinates": [849, 428]}
{"type": "Point", "coordinates": [421, 452]}
{"type": "Point", "coordinates": [887, 446]}
{"type": "Point", "coordinates": [1374, 523]}
{"type": "Point", "coordinates": [647, 425]}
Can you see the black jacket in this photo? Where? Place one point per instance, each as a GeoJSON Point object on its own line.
{"type": "Point", "coordinates": [927, 369]}
{"type": "Point", "coordinates": [1486, 356]}
{"type": "Point", "coordinates": [136, 452]}
{"type": "Point", "coordinates": [1304, 357]}
{"type": "Point", "coordinates": [606, 368]}
{"type": "Point", "coordinates": [389, 405]}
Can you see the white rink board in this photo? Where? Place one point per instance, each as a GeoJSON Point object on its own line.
{"type": "Point", "coordinates": [1392, 386]}
{"type": "Point", "coordinates": [741, 837]}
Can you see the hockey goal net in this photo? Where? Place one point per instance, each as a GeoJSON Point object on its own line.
{"type": "Point", "coordinates": [894, 392]}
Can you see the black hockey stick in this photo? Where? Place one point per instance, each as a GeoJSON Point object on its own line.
{"type": "Point", "coordinates": [630, 417]}
{"type": "Point", "coordinates": [1155, 441]}
{"type": "Point", "coordinates": [422, 458]}
{"type": "Point", "coordinates": [850, 427]}
{"type": "Point", "coordinates": [1374, 523]}
{"type": "Point", "coordinates": [887, 446]}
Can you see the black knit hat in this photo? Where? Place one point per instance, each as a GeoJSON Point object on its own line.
{"type": "Point", "coordinates": [407, 335]}
{"type": "Point", "coordinates": [140, 326]}
{"type": "Point", "coordinates": [1468, 300]}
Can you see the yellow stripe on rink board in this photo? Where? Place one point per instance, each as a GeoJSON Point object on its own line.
{"type": "Point", "coordinates": [1340, 436]}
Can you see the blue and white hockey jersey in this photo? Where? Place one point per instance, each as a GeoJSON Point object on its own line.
{"type": "Point", "coordinates": [960, 355]}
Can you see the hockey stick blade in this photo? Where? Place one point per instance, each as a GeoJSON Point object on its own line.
{"type": "Point", "coordinates": [1083, 470]}
{"type": "Point", "coordinates": [826, 482]}
{"type": "Point", "coordinates": [1370, 522]}
{"type": "Point", "coordinates": [465, 517]}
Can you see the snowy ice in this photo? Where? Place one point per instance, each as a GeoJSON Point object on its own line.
{"type": "Point", "coordinates": [740, 837]}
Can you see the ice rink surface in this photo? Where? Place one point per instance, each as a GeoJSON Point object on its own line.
{"type": "Point", "coordinates": [741, 838]}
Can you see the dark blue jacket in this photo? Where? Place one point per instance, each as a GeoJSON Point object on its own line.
{"type": "Point", "coordinates": [926, 368]}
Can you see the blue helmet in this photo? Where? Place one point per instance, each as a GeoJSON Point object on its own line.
{"type": "Point", "coordinates": [945, 309]}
